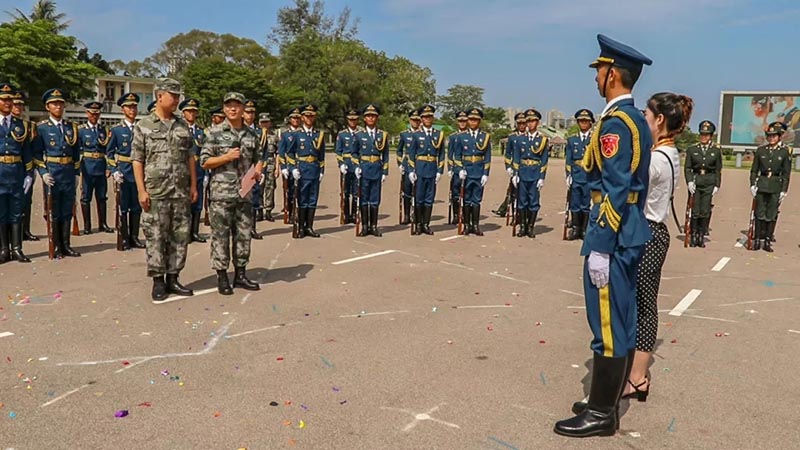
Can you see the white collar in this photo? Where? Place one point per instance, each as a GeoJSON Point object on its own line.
{"type": "Point", "coordinates": [352, 130]}
{"type": "Point", "coordinates": [308, 130]}
{"type": "Point", "coordinates": [372, 130]}
{"type": "Point", "coordinates": [427, 130]}
{"type": "Point", "coordinates": [56, 122]}
{"type": "Point", "coordinates": [127, 124]}
{"type": "Point", "coordinates": [533, 135]}
{"type": "Point", "coordinates": [613, 101]}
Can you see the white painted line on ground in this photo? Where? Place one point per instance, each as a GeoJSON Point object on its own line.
{"type": "Point", "coordinates": [794, 331]}
{"type": "Point", "coordinates": [361, 258]}
{"type": "Point", "coordinates": [481, 306]}
{"type": "Point", "coordinates": [570, 292]}
{"type": "Point", "coordinates": [64, 395]}
{"type": "Point", "coordinates": [178, 297]}
{"type": "Point", "coordinates": [275, 259]}
{"type": "Point", "coordinates": [274, 327]}
{"type": "Point", "coordinates": [576, 307]}
{"type": "Point", "coordinates": [721, 264]}
{"type": "Point", "coordinates": [495, 274]}
{"type": "Point", "coordinates": [460, 266]}
{"type": "Point", "coordinates": [682, 277]}
{"type": "Point", "coordinates": [6, 334]}
{"type": "Point", "coordinates": [684, 304]}
{"type": "Point", "coordinates": [711, 318]}
{"type": "Point", "coordinates": [450, 238]}
{"type": "Point", "coordinates": [750, 302]}
{"type": "Point", "coordinates": [374, 314]}
{"type": "Point", "coordinates": [246, 298]}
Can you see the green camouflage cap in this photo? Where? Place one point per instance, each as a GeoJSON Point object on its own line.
{"type": "Point", "coordinates": [233, 96]}
{"type": "Point", "coordinates": [264, 117]}
{"type": "Point", "coordinates": [169, 85]}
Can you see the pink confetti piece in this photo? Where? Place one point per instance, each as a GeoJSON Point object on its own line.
{"type": "Point", "coordinates": [121, 413]}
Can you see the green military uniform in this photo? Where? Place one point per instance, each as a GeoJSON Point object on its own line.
{"type": "Point", "coordinates": [703, 172]}
{"type": "Point", "coordinates": [269, 144]}
{"type": "Point", "coordinates": [769, 182]}
{"type": "Point", "coordinates": [164, 148]}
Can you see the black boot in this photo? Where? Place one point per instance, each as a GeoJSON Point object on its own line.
{"type": "Point", "coordinates": [769, 229]}
{"type": "Point", "coordinates": [123, 230]}
{"type": "Point", "coordinates": [175, 287]}
{"type": "Point", "coordinates": [346, 211]}
{"type": "Point", "coordinates": [26, 224]}
{"type": "Point", "coordinates": [16, 244]}
{"type": "Point", "coordinates": [600, 417]}
{"type": "Point", "coordinates": [407, 211]}
{"type": "Point", "coordinates": [426, 220]}
{"type": "Point", "coordinates": [259, 215]}
{"type": "Point", "coordinates": [240, 280]}
{"type": "Point", "coordinates": [476, 218]}
{"type": "Point", "coordinates": [456, 209]}
{"type": "Point", "coordinates": [532, 223]}
{"type": "Point", "coordinates": [223, 284]}
{"type": "Point", "coordinates": [86, 210]}
{"type": "Point", "coordinates": [5, 251]}
{"type": "Point", "coordinates": [365, 230]}
{"type": "Point", "coordinates": [66, 249]}
{"type": "Point", "coordinates": [102, 212]}
{"type": "Point", "coordinates": [268, 216]}
{"type": "Point", "coordinates": [253, 232]}
{"type": "Point", "coordinates": [757, 235]}
{"type": "Point", "coordinates": [701, 232]}
{"type": "Point", "coordinates": [522, 222]}
{"type": "Point", "coordinates": [502, 210]}
{"type": "Point", "coordinates": [310, 213]}
{"type": "Point", "coordinates": [416, 227]}
{"type": "Point", "coordinates": [301, 225]}
{"type": "Point", "coordinates": [467, 218]}
{"type": "Point", "coordinates": [584, 224]}
{"type": "Point", "coordinates": [693, 231]}
{"type": "Point", "coordinates": [136, 219]}
{"type": "Point", "coordinates": [373, 217]}
{"type": "Point", "coordinates": [159, 291]}
{"type": "Point", "coordinates": [196, 228]}
{"type": "Point", "coordinates": [55, 230]}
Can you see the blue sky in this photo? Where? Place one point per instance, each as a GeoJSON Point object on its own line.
{"type": "Point", "coordinates": [524, 54]}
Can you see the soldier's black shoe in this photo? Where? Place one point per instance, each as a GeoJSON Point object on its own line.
{"type": "Point", "coordinates": [373, 218]}
{"type": "Point", "coordinates": [223, 284]}
{"type": "Point", "coordinates": [767, 246]}
{"type": "Point", "coordinates": [427, 211]}
{"type": "Point", "coordinates": [159, 292]}
{"type": "Point", "coordinates": [55, 230]}
{"type": "Point", "coordinates": [365, 227]}
{"type": "Point", "coordinates": [240, 280]}
{"type": "Point", "coordinates": [476, 218]}
{"type": "Point", "coordinates": [175, 287]}
{"type": "Point", "coordinates": [196, 228]}
{"type": "Point", "coordinates": [407, 211]}
{"type": "Point", "coordinates": [26, 224]}
{"type": "Point", "coordinates": [532, 223]}
{"type": "Point", "coordinates": [259, 215]}
{"type": "Point", "coordinates": [268, 216]}
{"type": "Point", "coordinates": [309, 223]}
{"type": "Point", "coordinates": [253, 232]}
{"type": "Point", "coordinates": [522, 223]}
{"type": "Point", "coordinates": [16, 244]}
{"type": "Point", "coordinates": [5, 252]}
{"type": "Point", "coordinates": [66, 249]}
{"type": "Point", "coordinates": [123, 231]}
{"type": "Point", "coordinates": [135, 220]}
{"type": "Point", "coordinates": [102, 210]}
{"type": "Point", "coordinates": [86, 210]}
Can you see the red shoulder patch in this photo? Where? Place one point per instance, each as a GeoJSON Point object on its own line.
{"type": "Point", "coordinates": [609, 144]}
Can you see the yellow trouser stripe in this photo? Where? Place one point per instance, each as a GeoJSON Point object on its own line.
{"type": "Point", "coordinates": [605, 321]}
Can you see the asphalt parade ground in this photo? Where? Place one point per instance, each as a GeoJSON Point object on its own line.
{"type": "Point", "coordinates": [399, 342]}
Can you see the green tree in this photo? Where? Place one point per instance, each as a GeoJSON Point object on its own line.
{"type": "Point", "coordinates": [35, 57]}
{"type": "Point", "coordinates": [572, 131]}
{"type": "Point", "coordinates": [303, 16]}
{"type": "Point", "coordinates": [686, 139]}
{"type": "Point", "coordinates": [495, 118]}
{"type": "Point", "coordinates": [95, 60]}
{"type": "Point", "coordinates": [134, 68]}
{"type": "Point", "coordinates": [42, 10]}
{"type": "Point", "coordinates": [461, 97]}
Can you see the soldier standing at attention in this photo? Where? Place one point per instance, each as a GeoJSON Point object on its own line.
{"type": "Point", "coordinates": [345, 142]}
{"type": "Point", "coordinates": [118, 154]}
{"type": "Point", "coordinates": [306, 156]}
{"type": "Point", "coordinates": [769, 183]}
{"type": "Point", "coordinates": [530, 163]}
{"type": "Point", "coordinates": [92, 140]}
{"type": "Point", "coordinates": [189, 108]}
{"type": "Point", "coordinates": [703, 172]}
{"type": "Point", "coordinates": [17, 110]}
{"type": "Point", "coordinates": [455, 181]}
{"type": "Point", "coordinates": [373, 167]}
{"type": "Point", "coordinates": [16, 176]}
{"type": "Point", "coordinates": [163, 165]}
{"type": "Point", "coordinates": [403, 147]}
{"type": "Point", "coordinates": [579, 199]}
{"type": "Point", "coordinates": [473, 155]}
{"type": "Point", "coordinates": [286, 139]}
{"type": "Point", "coordinates": [217, 116]}
{"type": "Point", "coordinates": [426, 165]}
{"type": "Point", "coordinates": [269, 159]}
{"type": "Point", "coordinates": [230, 149]}
{"type": "Point", "coordinates": [258, 208]}
{"type": "Point", "coordinates": [56, 153]}
{"type": "Point", "coordinates": [508, 156]}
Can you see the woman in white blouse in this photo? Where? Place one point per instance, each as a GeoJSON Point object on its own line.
{"type": "Point", "coordinates": [668, 115]}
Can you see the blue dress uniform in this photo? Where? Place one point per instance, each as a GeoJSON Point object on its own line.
{"type": "Point", "coordinates": [616, 161]}
{"type": "Point", "coordinates": [92, 141]}
{"type": "Point", "coordinates": [19, 105]}
{"type": "Point", "coordinates": [473, 156]}
{"type": "Point", "coordinates": [373, 168]}
{"type": "Point", "coordinates": [403, 147]}
{"type": "Point", "coordinates": [56, 152]}
{"type": "Point", "coordinates": [426, 161]}
{"type": "Point", "coordinates": [118, 153]}
{"type": "Point", "coordinates": [307, 155]}
{"type": "Point", "coordinates": [16, 170]}
{"type": "Point", "coordinates": [198, 135]}
{"type": "Point", "coordinates": [257, 197]}
{"type": "Point", "coordinates": [455, 182]}
{"type": "Point", "coordinates": [286, 139]}
{"type": "Point", "coordinates": [579, 195]}
{"type": "Point", "coordinates": [345, 142]}
{"type": "Point", "coordinates": [530, 164]}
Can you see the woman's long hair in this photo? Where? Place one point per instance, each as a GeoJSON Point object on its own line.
{"type": "Point", "coordinates": [676, 109]}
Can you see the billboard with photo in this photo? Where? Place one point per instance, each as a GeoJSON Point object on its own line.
{"type": "Point", "coordinates": [745, 115]}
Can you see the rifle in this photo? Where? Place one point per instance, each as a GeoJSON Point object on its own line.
{"type": "Point", "coordinates": [752, 226]}
{"type": "Point", "coordinates": [461, 208]}
{"type": "Point", "coordinates": [285, 201]}
{"type": "Point", "coordinates": [295, 220]}
{"type": "Point", "coordinates": [48, 218]}
{"type": "Point", "coordinates": [450, 204]}
{"type": "Point", "coordinates": [413, 211]}
{"type": "Point", "coordinates": [76, 230]}
{"type": "Point", "coordinates": [567, 218]}
{"type": "Point", "coordinates": [400, 199]}
{"type": "Point", "coordinates": [687, 226]}
{"type": "Point", "coordinates": [341, 198]}
{"type": "Point", "coordinates": [358, 210]}
{"type": "Point", "coordinates": [117, 216]}
{"type": "Point", "coordinates": [511, 217]}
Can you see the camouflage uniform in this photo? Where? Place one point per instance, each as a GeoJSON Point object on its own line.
{"type": "Point", "coordinates": [269, 157]}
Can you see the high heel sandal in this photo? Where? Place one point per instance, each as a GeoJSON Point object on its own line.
{"type": "Point", "coordinates": [641, 395]}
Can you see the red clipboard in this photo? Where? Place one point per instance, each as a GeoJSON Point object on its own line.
{"type": "Point", "coordinates": [248, 182]}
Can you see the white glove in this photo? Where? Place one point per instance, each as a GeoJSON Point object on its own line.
{"type": "Point", "coordinates": [753, 190]}
{"type": "Point", "coordinates": [569, 181]}
{"type": "Point", "coordinates": [714, 192]}
{"type": "Point", "coordinates": [321, 174]}
{"type": "Point", "coordinates": [515, 180]}
{"type": "Point", "coordinates": [383, 179]}
{"type": "Point", "coordinates": [598, 265]}
{"type": "Point", "coordinates": [450, 173]}
{"type": "Point", "coordinates": [412, 177]}
{"type": "Point", "coordinates": [343, 169]}
{"type": "Point", "coordinates": [48, 179]}
{"type": "Point", "coordinates": [462, 174]}
{"type": "Point", "coordinates": [510, 172]}
{"type": "Point", "coordinates": [539, 185]}
{"type": "Point", "coordinates": [484, 179]}
{"type": "Point", "coordinates": [402, 169]}
{"type": "Point", "coordinates": [693, 187]}
{"type": "Point", "coordinates": [781, 196]}
{"type": "Point", "coordinates": [285, 173]}
{"type": "Point", "coordinates": [206, 180]}
{"type": "Point", "coordinates": [26, 183]}
{"type": "Point", "coordinates": [438, 175]}
{"type": "Point", "coordinates": [118, 177]}
{"type": "Point", "coordinates": [358, 172]}
{"type": "Point", "coordinates": [296, 174]}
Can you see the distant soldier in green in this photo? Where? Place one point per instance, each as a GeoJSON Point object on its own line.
{"type": "Point", "coordinates": [164, 168]}
{"type": "Point", "coordinates": [515, 137]}
{"type": "Point", "coordinates": [703, 172]}
{"type": "Point", "coordinates": [769, 183]}
{"type": "Point", "coordinates": [269, 159]}
{"type": "Point", "coordinates": [229, 150]}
